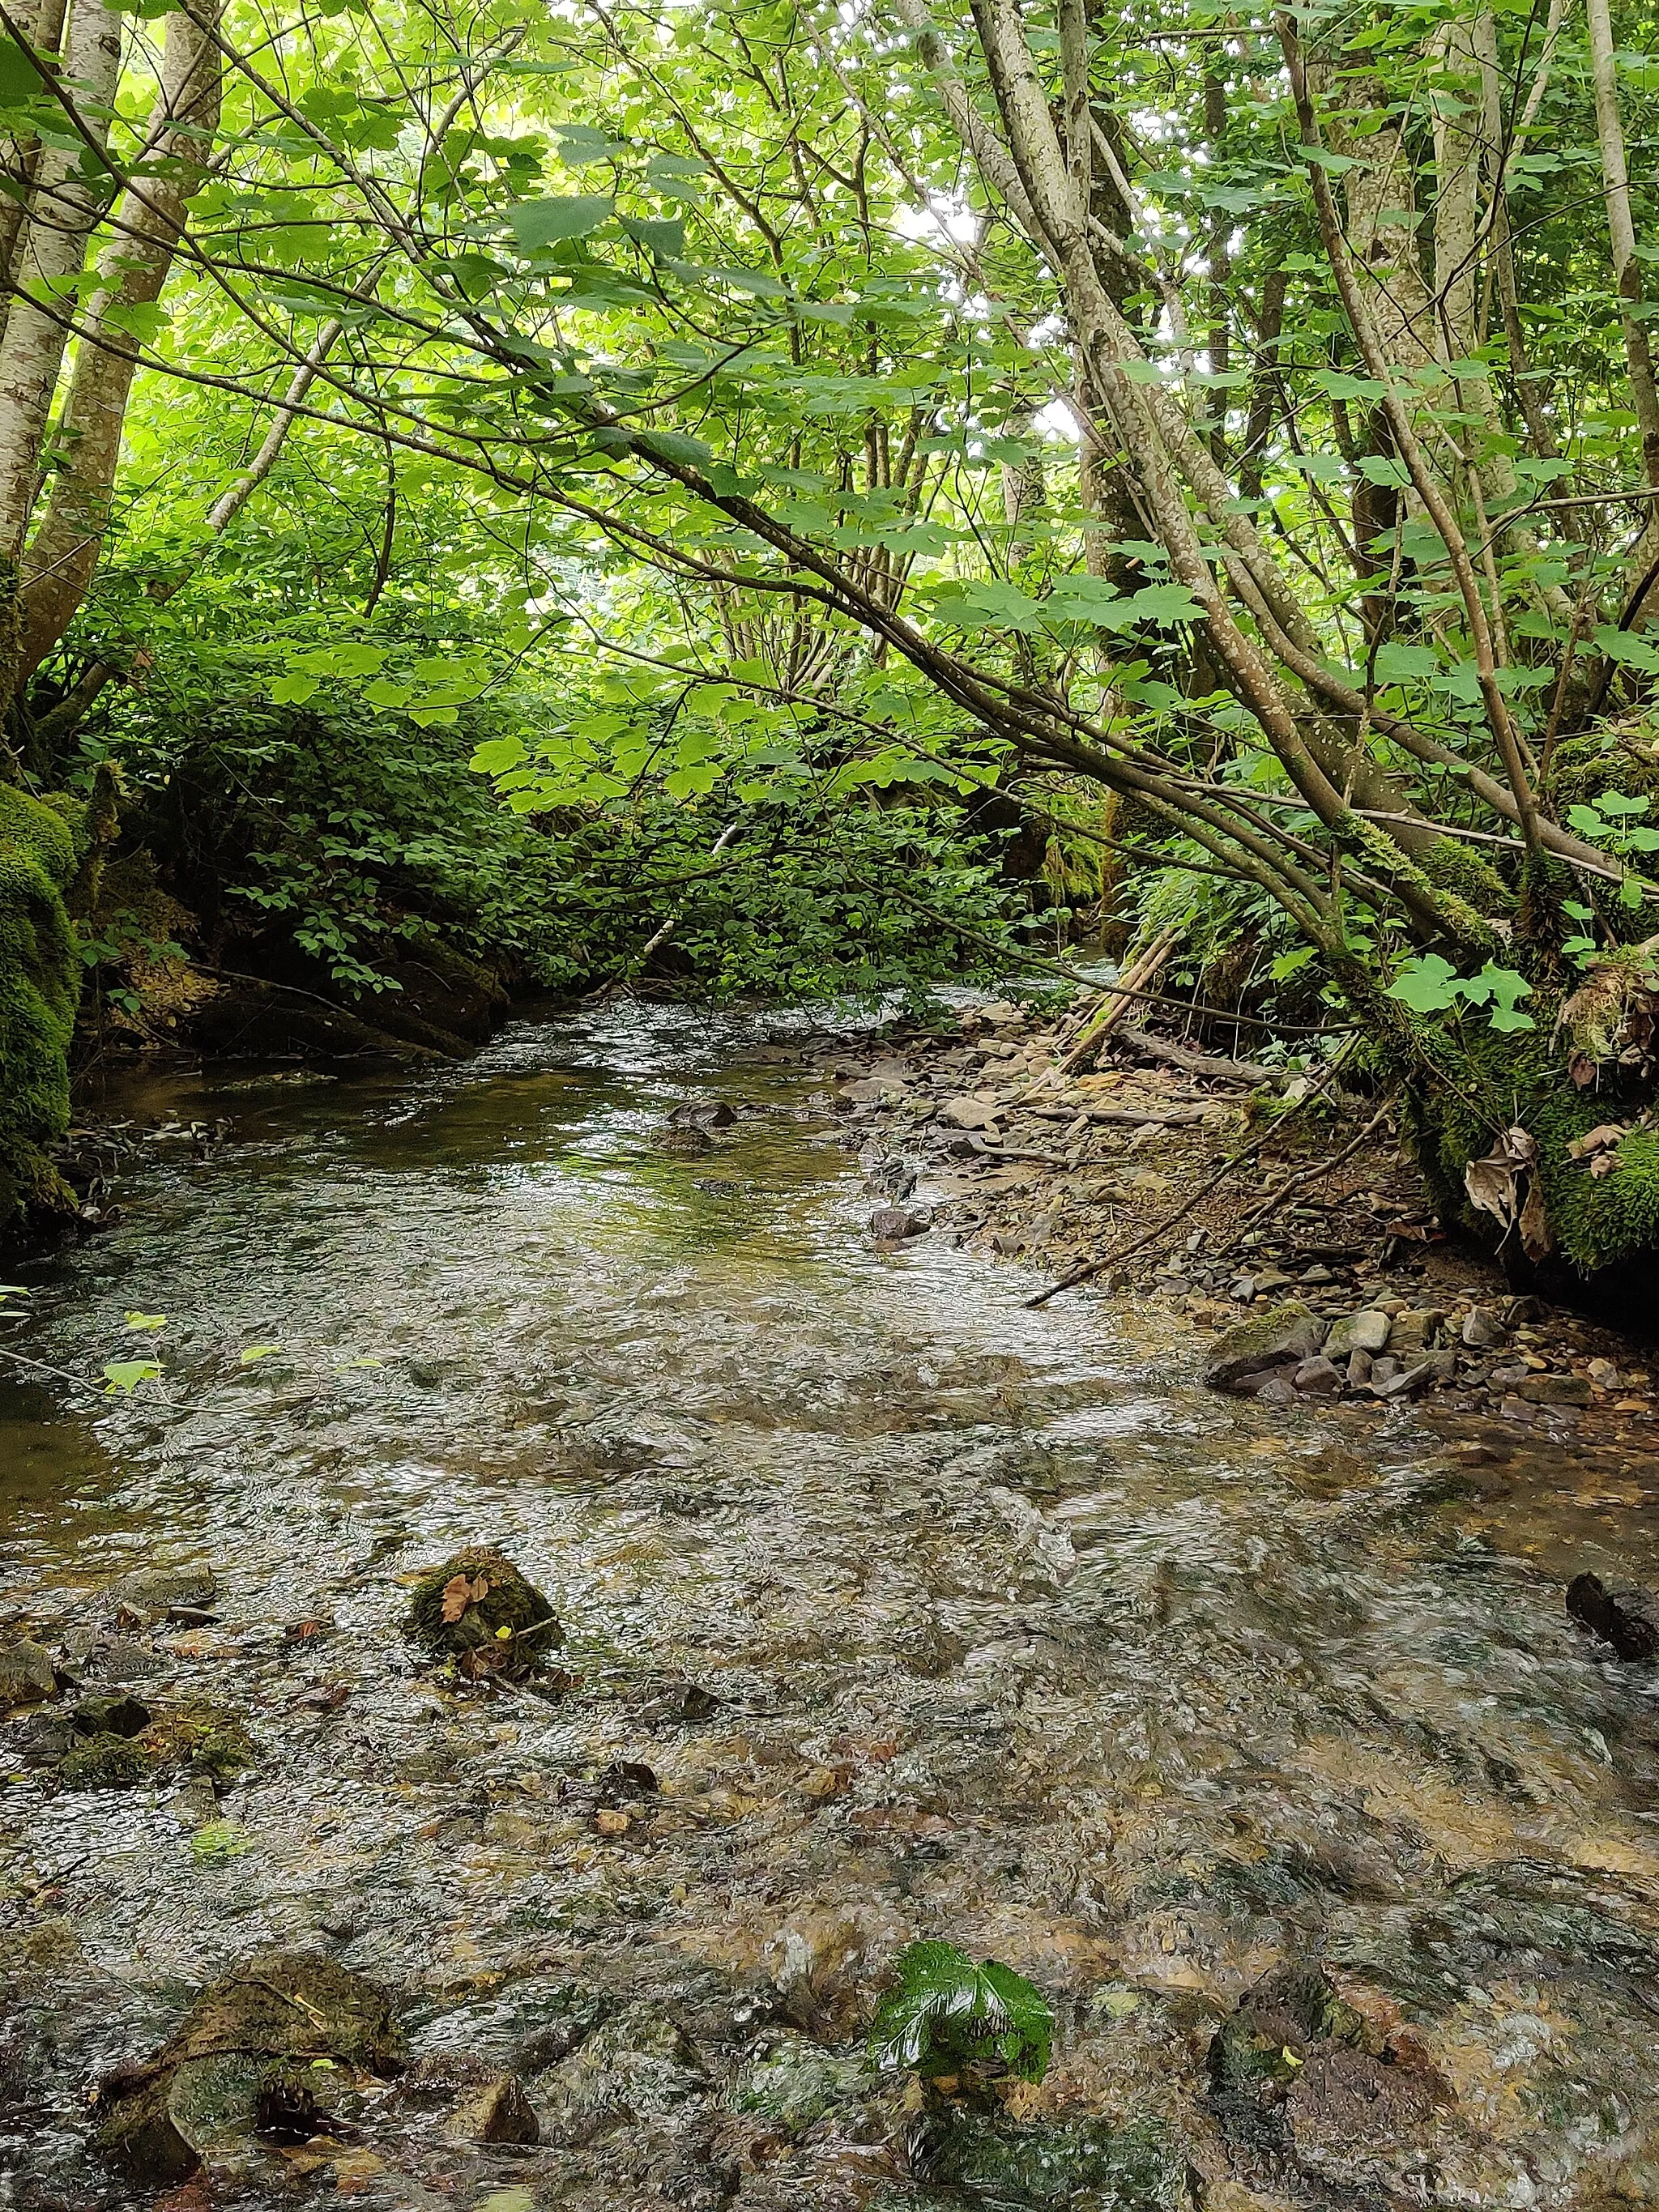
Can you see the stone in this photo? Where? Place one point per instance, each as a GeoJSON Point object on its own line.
{"type": "Point", "coordinates": [1365, 1331]}
{"type": "Point", "coordinates": [1318, 1274]}
{"type": "Point", "coordinates": [151, 1593]}
{"type": "Point", "coordinates": [110, 1715]}
{"type": "Point", "coordinates": [1318, 1377]}
{"type": "Point", "coordinates": [1554, 1390]}
{"type": "Point", "coordinates": [1273, 1278]}
{"type": "Point", "coordinates": [1415, 1331]}
{"type": "Point", "coordinates": [27, 1674]}
{"type": "Point", "coordinates": [638, 2065]}
{"type": "Point", "coordinates": [1408, 1384]}
{"type": "Point", "coordinates": [1283, 1336]}
{"type": "Point", "coordinates": [1603, 1374]}
{"type": "Point", "coordinates": [1277, 1390]}
{"type": "Point", "coordinates": [871, 1090]}
{"type": "Point", "coordinates": [1621, 1613]}
{"type": "Point", "coordinates": [1360, 1370]}
{"type": "Point", "coordinates": [702, 1113]}
{"type": "Point", "coordinates": [967, 1114]}
{"type": "Point", "coordinates": [497, 2113]}
{"type": "Point", "coordinates": [107, 1761]}
{"type": "Point", "coordinates": [891, 1223]}
{"type": "Point", "coordinates": [1484, 1330]}
{"type": "Point", "coordinates": [241, 2038]}
{"type": "Point", "coordinates": [1384, 1370]}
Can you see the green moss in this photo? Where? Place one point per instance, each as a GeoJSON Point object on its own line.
{"type": "Point", "coordinates": [499, 1606]}
{"type": "Point", "coordinates": [1626, 761]}
{"type": "Point", "coordinates": [39, 993]}
{"type": "Point", "coordinates": [1469, 1087]}
{"type": "Point", "coordinates": [107, 1762]}
{"type": "Point", "coordinates": [1453, 867]}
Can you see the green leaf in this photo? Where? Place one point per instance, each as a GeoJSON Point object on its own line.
{"type": "Point", "coordinates": [1428, 986]}
{"type": "Point", "coordinates": [126, 1375]}
{"type": "Point", "coordinates": [252, 1351]}
{"type": "Point", "coordinates": [537, 224]}
{"type": "Point", "coordinates": [144, 1321]}
{"type": "Point", "coordinates": [1405, 664]}
{"type": "Point", "coordinates": [947, 2013]}
{"type": "Point", "coordinates": [664, 237]}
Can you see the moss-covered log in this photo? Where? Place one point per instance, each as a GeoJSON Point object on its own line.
{"type": "Point", "coordinates": [39, 993]}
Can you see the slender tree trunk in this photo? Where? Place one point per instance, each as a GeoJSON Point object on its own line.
{"type": "Point", "coordinates": [66, 206]}
{"type": "Point", "coordinates": [64, 553]}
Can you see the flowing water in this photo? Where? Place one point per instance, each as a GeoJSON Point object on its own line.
{"type": "Point", "coordinates": [929, 1615]}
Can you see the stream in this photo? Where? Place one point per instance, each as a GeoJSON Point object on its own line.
{"type": "Point", "coordinates": [928, 1615]}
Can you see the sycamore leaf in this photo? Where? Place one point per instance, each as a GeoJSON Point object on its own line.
{"type": "Point", "coordinates": [126, 1375]}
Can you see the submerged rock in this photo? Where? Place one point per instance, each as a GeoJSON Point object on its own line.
{"type": "Point", "coordinates": [496, 2112]}
{"type": "Point", "coordinates": [639, 2065]}
{"type": "Point", "coordinates": [892, 1222]}
{"type": "Point", "coordinates": [1283, 1336]}
{"type": "Point", "coordinates": [232, 2066]}
{"type": "Point", "coordinates": [27, 1676]}
{"type": "Point", "coordinates": [1622, 1614]}
{"type": "Point", "coordinates": [199, 1738]}
{"type": "Point", "coordinates": [151, 1593]}
{"type": "Point", "coordinates": [1008, 2163]}
{"type": "Point", "coordinates": [478, 1605]}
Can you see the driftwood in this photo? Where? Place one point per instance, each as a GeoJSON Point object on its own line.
{"type": "Point", "coordinates": [1199, 1063]}
{"type": "Point", "coordinates": [1135, 979]}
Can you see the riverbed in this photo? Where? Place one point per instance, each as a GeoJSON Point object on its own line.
{"type": "Point", "coordinates": [920, 1612]}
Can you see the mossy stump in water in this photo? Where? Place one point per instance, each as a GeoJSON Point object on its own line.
{"type": "Point", "coordinates": [483, 1610]}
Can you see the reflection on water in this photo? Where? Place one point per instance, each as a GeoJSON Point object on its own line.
{"type": "Point", "coordinates": [1017, 1636]}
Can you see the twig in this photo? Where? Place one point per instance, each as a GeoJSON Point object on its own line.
{"type": "Point", "coordinates": [1320, 1168]}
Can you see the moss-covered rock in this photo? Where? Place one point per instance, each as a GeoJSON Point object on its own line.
{"type": "Point", "coordinates": [40, 974]}
{"type": "Point", "coordinates": [200, 1737]}
{"type": "Point", "coordinates": [107, 1762]}
{"type": "Point", "coordinates": [237, 2046]}
{"type": "Point", "coordinates": [478, 1606]}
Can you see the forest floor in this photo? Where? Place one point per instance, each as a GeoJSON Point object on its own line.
{"type": "Point", "coordinates": [1119, 1178]}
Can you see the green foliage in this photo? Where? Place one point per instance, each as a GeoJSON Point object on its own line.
{"type": "Point", "coordinates": [948, 2016]}
{"type": "Point", "coordinates": [1432, 985]}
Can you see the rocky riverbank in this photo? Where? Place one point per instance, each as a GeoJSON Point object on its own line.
{"type": "Point", "coordinates": [1317, 1264]}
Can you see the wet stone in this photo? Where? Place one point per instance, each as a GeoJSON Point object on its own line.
{"type": "Point", "coordinates": [479, 1606]}
{"type": "Point", "coordinates": [1621, 1613]}
{"type": "Point", "coordinates": [27, 1674]}
{"type": "Point", "coordinates": [1318, 1377]}
{"type": "Point", "coordinates": [497, 2112]}
{"type": "Point", "coordinates": [151, 1593]}
{"type": "Point", "coordinates": [638, 2065]}
{"type": "Point", "coordinates": [1283, 1336]}
{"type": "Point", "coordinates": [155, 2121]}
{"type": "Point", "coordinates": [891, 1224]}
{"type": "Point", "coordinates": [111, 1713]}
{"type": "Point", "coordinates": [1484, 1330]}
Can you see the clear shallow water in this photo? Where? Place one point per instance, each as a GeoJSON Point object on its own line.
{"type": "Point", "coordinates": [1019, 1637]}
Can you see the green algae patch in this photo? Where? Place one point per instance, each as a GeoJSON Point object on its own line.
{"type": "Point", "coordinates": [40, 974]}
{"type": "Point", "coordinates": [482, 1610]}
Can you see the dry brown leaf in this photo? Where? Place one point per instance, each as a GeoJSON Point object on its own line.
{"type": "Point", "coordinates": [459, 1594]}
{"type": "Point", "coordinates": [609, 1823]}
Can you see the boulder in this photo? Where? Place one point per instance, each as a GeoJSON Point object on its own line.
{"type": "Point", "coordinates": [1622, 1614]}
{"type": "Point", "coordinates": [1407, 1384]}
{"type": "Point", "coordinates": [231, 2064]}
{"type": "Point", "coordinates": [1415, 1332]}
{"type": "Point", "coordinates": [1283, 1336]}
{"type": "Point", "coordinates": [27, 1674]}
{"type": "Point", "coordinates": [1367, 1331]}
{"type": "Point", "coordinates": [890, 1223]}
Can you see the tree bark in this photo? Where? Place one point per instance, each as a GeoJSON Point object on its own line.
{"type": "Point", "coordinates": [64, 553]}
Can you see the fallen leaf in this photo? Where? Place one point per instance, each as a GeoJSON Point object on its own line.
{"type": "Point", "coordinates": [609, 1823]}
{"type": "Point", "coordinates": [459, 1594]}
